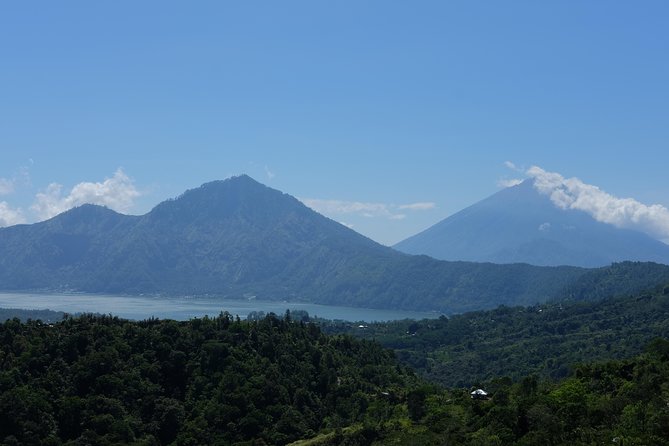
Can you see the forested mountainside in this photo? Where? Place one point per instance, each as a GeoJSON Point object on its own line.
{"type": "Point", "coordinates": [618, 279]}
{"type": "Point", "coordinates": [546, 340]}
{"type": "Point", "coordinates": [237, 238]}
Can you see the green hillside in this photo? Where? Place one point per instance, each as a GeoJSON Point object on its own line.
{"type": "Point", "coordinates": [546, 340]}
{"type": "Point", "coordinates": [616, 402]}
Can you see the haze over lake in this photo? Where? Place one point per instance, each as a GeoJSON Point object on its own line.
{"type": "Point", "coordinates": [184, 308]}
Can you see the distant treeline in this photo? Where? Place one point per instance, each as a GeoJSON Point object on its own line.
{"type": "Point", "coordinates": [23, 315]}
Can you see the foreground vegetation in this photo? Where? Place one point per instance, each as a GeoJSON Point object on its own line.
{"type": "Point", "coordinates": [102, 380]}
{"type": "Point", "coordinates": [619, 402]}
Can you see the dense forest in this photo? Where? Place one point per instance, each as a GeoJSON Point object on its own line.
{"type": "Point", "coordinates": [618, 279]}
{"type": "Point", "coordinates": [546, 340]}
{"type": "Point", "coordinates": [617, 402]}
{"type": "Point", "coordinates": [102, 380]}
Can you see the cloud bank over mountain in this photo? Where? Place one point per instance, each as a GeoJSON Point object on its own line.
{"type": "Point", "coordinates": [522, 224]}
{"type": "Point", "coordinates": [628, 213]}
{"type": "Point", "coordinates": [10, 216]}
{"type": "Point", "coordinates": [118, 193]}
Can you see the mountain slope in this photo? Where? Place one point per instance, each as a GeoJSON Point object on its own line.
{"type": "Point", "coordinates": [238, 238]}
{"type": "Point", "coordinates": [545, 340]}
{"type": "Point", "coordinates": [518, 224]}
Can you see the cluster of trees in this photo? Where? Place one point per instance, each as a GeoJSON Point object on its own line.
{"type": "Point", "coordinates": [546, 340]}
{"type": "Point", "coordinates": [102, 380]}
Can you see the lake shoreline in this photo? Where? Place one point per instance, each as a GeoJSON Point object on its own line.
{"type": "Point", "coordinates": [189, 307]}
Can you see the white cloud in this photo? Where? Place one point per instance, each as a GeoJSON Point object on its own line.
{"type": "Point", "coordinates": [269, 173]}
{"type": "Point", "coordinates": [509, 183]}
{"type": "Point", "coordinates": [21, 178]}
{"type": "Point", "coordinates": [365, 209]}
{"type": "Point", "coordinates": [420, 206]}
{"type": "Point", "coordinates": [572, 193]}
{"type": "Point", "coordinates": [9, 216]}
{"type": "Point", "coordinates": [545, 226]}
{"type": "Point", "coordinates": [348, 207]}
{"type": "Point", "coordinates": [512, 166]}
{"type": "Point", "coordinates": [117, 192]}
{"type": "Point", "coordinates": [6, 186]}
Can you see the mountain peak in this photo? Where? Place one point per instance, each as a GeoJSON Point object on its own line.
{"type": "Point", "coordinates": [519, 224]}
{"type": "Point", "coordinates": [88, 211]}
{"type": "Point", "coordinates": [239, 182]}
{"type": "Point", "coordinates": [242, 179]}
{"type": "Point", "coordinates": [222, 198]}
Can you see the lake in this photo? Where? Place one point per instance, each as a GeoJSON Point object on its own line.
{"type": "Point", "coordinates": [184, 308]}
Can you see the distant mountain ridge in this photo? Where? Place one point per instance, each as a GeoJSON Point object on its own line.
{"type": "Point", "coordinates": [237, 238]}
{"type": "Point", "coordinates": [520, 225]}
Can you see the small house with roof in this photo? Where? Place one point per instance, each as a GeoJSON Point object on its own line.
{"type": "Point", "coordinates": [479, 394]}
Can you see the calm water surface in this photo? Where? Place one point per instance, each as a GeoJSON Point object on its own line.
{"type": "Point", "coordinates": [183, 308]}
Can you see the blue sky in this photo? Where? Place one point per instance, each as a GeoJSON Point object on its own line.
{"type": "Point", "coordinates": [389, 115]}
